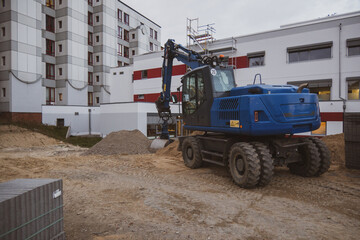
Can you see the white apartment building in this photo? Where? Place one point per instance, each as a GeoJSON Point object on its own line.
{"type": "Point", "coordinates": [60, 52]}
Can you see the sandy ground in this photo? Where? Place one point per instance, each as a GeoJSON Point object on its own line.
{"type": "Point", "coordinates": [156, 197]}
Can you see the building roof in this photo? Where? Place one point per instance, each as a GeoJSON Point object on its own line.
{"type": "Point", "coordinates": [138, 13]}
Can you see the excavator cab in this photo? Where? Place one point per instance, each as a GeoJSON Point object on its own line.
{"type": "Point", "coordinates": [200, 87]}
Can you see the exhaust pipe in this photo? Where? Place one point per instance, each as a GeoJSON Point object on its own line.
{"type": "Point", "coordinates": [302, 86]}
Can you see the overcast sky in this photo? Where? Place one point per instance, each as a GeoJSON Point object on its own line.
{"type": "Point", "coordinates": [235, 17]}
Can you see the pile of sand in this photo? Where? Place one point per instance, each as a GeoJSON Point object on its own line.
{"type": "Point", "coordinates": [336, 145]}
{"type": "Point", "coordinates": [13, 136]}
{"type": "Point", "coordinates": [122, 142]}
{"type": "Point", "coordinates": [170, 150]}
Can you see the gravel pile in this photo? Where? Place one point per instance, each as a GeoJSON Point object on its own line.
{"type": "Point", "coordinates": [122, 142]}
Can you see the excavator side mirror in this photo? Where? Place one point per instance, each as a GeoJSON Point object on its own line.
{"type": "Point", "coordinates": [174, 98]}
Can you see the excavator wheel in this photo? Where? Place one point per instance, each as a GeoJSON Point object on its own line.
{"type": "Point", "coordinates": [191, 153]}
{"type": "Point", "coordinates": [244, 165]}
{"type": "Point", "coordinates": [325, 155]}
{"type": "Point", "coordinates": [310, 164]}
{"type": "Point", "coordinates": [266, 163]}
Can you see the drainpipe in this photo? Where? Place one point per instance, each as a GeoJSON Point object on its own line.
{"type": "Point", "coordinates": [343, 99]}
{"type": "Point", "coordinates": [89, 121]}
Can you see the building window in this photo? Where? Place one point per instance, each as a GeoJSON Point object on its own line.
{"type": "Point", "coordinates": [151, 46]}
{"type": "Point", "coordinates": [3, 31]}
{"type": "Point", "coordinates": [50, 71]}
{"type": "Point", "coordinates": [60, 97]}
{"type": "Point", "coordinates": [90, 98]}
{"type": "Point", "coordinates": [60, 24]}
{"type": "Point", "coordinates": [97, 38]}
{"type": "Point", "coordinates": [90, 38]}
{"type": "Point", "coordinates": [97, 78]}
{"type": "Point", "coordinates": [126, 52]}
{"type": "Point", "coordinates": [119, 63]}
{"type": "Point", "coordinates": [97, 100]}
{"type": "Point", "coordinates": [60, 2]}
{"type": "Point", "coordinates": [60, 72]}
{"type": "Point", "coordinates": [90, 18]}
{"type": "Point", "coordinates": [97, 58]}
{"type": "Point", "coordinates": [156, 36]}
{"type": "Point", "coordinates": [119, 52]}
{"type": "Point", "coordinates": [119, 12]}
{"type": "Point", "coordinates": [90, 2]}
{"type": "Point", "coordinates": [126, 35]}
{"type": "Point", "coordinates": [126, 19]}
{"type": "Point", "coordinates": [50, 96]}
{"type": "Point", "coordinates": [133, 36]}
{"type": "Point", "coordinates": [50, 47]}
{"type": "Point", "coordinates": [90, 58]}
{"type": "Point", "coordinates": [3, 3]}
{"type": "Point", "coordinates": [50, 24]}
{"type": "Point", "coordinates": [3, 60]}
{"type": "Point", "coordinates": [321, 130]}
{"type": "Point", "coordinates": [97, 18]}
{"type": "Point", "coordinates": [121, 73]}
{"type": "Point", "coordinates": [119, 32]}
{"type": "Point", "coordinates": [310, 52]}
{"type": "Point", "coordinates": [151, 33]}
{"type": "Point", "coordinates": [256, 59]}
{"type": "Point", "coordinates": [3, 92]}
{"type": "Point", "coordinates": [50, 3]}
{"type": "Point", "coordinates": [144, 74]}
{"type": "Point", "coordinates": [353, 46]}
{"type": "Point", "coordinates": [353, 88]}
{"type": "Point", "coordinates": [60, 48]}
{"type": "Point", "coordinates": [321, 87]}
{"type": "Point", "coordinates": [90, 78]}
{"type": "Point", "coordinates": [133, 52]}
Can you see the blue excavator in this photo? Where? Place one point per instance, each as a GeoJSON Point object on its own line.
{"type": "Point", "coordinates": [247, 129]}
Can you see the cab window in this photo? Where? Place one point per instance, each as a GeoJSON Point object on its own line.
{"type": "Point", "coordinates": [223, 80]}
{"type": "Point", "coordinates": [193, 92]}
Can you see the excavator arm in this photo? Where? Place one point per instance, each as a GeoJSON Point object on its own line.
{"type": "Point", "coordinates": [190, 58]}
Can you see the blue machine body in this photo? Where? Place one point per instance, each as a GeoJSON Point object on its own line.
{"type": "Point", "coordinates": [280, 110]}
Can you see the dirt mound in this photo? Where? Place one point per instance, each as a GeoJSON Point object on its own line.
{"type": "Point", "coordinates": [122, 142]}
{"type": "Point", "coordinates": [170, 150]}
{"type": "Point", "coordinates": [336, 145]}
{"type": "Point", "coordinates": [13, 136]}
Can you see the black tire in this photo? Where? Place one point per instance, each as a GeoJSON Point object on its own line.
{"type": "Point", "coordinates": [310, 164]}
{"type": "Point", "coordinates": [266, 163]}
{"type": "Point", "coordinates": [325, 156]}
{"type": "Point", "coordinates": [244, 165]}
{"type": "Point", "coordinates": [191, 153]}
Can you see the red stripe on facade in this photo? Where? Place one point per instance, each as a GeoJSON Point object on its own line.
{"type": "Point", "coordinates": [332, 116]}
{"type": "Point", "coordinates": [152, 97]}
{"type": "Point", "coordinates": [179, 70]}
{"type": "Point", "coordinates": [137, 75]}
{"type": "Point", "coordinates": [239, 62]}
{"type": "Point", "coordinates": [156, 72]}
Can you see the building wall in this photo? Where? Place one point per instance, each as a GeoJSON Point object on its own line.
{"type": "Point", "coordinates": [20, 55]}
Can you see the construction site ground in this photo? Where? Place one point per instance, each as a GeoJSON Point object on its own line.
{"type": "Point", "coordinates": [154, 196]}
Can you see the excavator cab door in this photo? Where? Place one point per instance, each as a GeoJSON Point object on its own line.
{"type": "Point", "coordinates": [197, 97]}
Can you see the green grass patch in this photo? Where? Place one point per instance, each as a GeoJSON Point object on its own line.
{"type": "Point", "coordinates": [60, 134]}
